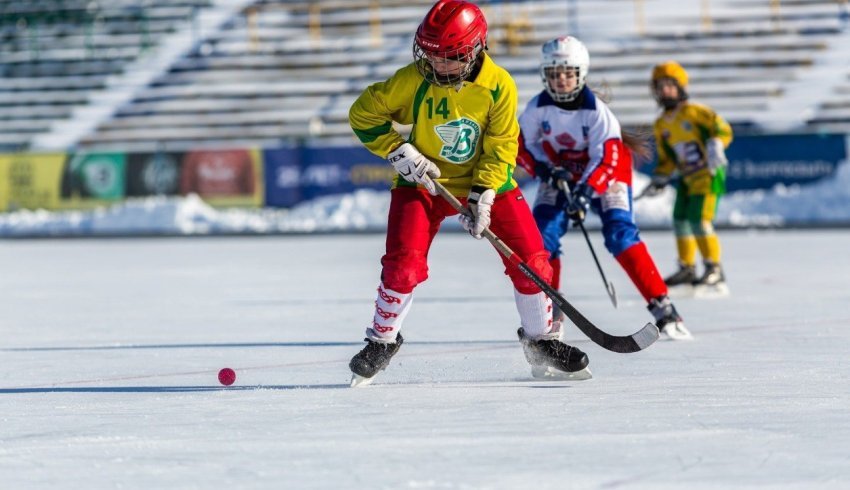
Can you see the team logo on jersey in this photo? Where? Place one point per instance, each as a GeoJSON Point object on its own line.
{"type": "Point", "coordinates": [686, 126]}
{"type": "Point", "coordinates": [546, 127]}
{"type": "Point", "coordinates": [460, 138]}
{"type": "Point", "coordinates": [564, 139]}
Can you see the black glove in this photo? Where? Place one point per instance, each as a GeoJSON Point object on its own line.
{"type": "Point", "coordinates": [579, 203]}
{"type": "Point", "coordinates": [551, 175]}
{"type": "Point", "coordinates": [543, 172]}
{"type": "Point", "coordinates": [560, 173]}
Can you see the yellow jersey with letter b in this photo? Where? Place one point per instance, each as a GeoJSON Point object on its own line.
{"type": "Point", "coordinates": [681, 136]}
{"type": "Point", "coordinates": [470, 131]}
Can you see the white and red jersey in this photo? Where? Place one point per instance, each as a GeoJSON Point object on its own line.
{"type": "Point", "coordinates": [586, 141]}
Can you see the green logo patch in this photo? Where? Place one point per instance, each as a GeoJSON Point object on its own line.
{"type": "Point", "coordinates": [459, 138]}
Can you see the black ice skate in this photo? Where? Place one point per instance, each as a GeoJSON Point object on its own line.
{"type": "Point", "coordinates": [667, 319]}
{"type": "Point", "coordinates": [712, 283]}
{"type": "Point", "coordinates": [685, 276]}
{"type": "Point", "coordinates": [552, 359]}
{"type": "Point", "coordinates": [373, 358]}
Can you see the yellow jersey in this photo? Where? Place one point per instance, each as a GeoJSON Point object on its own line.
{"type": "Point", "coordinates": [470, 133]}
{"type": "Point", "coordinates": [681, 136]}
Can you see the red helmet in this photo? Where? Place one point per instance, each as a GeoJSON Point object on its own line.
{"type": "Point", "coordinates": [452, 30]}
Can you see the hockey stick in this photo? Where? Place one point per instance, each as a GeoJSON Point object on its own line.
{"type": "Point", "coordinates": [643, 193]}
{"type": "Point", "coordinates": [609, 286]}
{"type": "Point", "coordinates": [635, 342]}
{"type": "Point", "coordinates": [650, 191]}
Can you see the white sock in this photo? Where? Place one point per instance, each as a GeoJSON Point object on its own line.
{"type": "Point", "coordinates": [390, 309]}
{"type": "Point", "coordinates": [535, 314]}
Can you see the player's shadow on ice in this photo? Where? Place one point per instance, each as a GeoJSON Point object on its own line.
{"type": "Point", "coordinates": [167, 389]}
{"type": "Point", "coordinates": [419, 300]}
{"type": "Point", "coordinates": [241, 345]}
{"type": "Point", "coordinates": [526, 383]}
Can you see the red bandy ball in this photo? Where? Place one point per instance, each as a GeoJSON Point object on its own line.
{"type": "Point", "coordinates": [226, 376]}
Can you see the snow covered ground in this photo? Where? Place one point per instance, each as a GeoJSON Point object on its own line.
{"type": "Point", "coordinates": [825, 203]}
{"type": "Point", "coordinates": [112, 347]}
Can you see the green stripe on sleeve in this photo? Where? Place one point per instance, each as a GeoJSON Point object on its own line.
{"type": "Point", "coordinates": [496, 93]}
{"type": "Point", "coordinates": [418, 98]}
{"type": "Point", "coordinates": [704, 133]}
{"type": "Point", "coordinates": [371, 134]}
{"type": "Point", "coordinates": [507, 186]}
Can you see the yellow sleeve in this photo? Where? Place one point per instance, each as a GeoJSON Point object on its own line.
{"type": "Point", "coordinates": [501, 139]}
{"type": "Point", "coordinates": [711, 124]}
{"type": "Point", "coordinates": [722, 130]}
{"type": "Point", "coordinates": [372, 114]}
{"type": "Point", "coordinates": [666, 156]}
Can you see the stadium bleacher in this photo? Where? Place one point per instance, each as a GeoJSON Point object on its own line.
{"type": "Point", "coordinates": [284, 70]}
{"type": "Point", "coordinates": [56, 54]}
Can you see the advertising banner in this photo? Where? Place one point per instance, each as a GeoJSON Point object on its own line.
{"type": "Point", "coordinates": [282, 167]}
{"type": "Point", "coordinates": [342, 170]}
{"type": "Point", "coordinates": [295, 175]}
{"type": "Point", "coordinates": [231, 177]}
{"type": "Point", "coordinates": [760, 162]}
{"type": "Point", "coordinates": [153, 174]}
{"type": "Point", "coordinates": [222, 177]}
{"type": "Point", "coordinates": [30, 181]}
{"type": "Point", "coordinates": [94, 176]}
{"type": "Point", "coordinates": [286, 176]}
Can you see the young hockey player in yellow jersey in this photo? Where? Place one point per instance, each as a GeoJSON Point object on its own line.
{"type": "Point", "coordinates": [463, 108]}
{"type": "Point", "coordinates": [691, 139]}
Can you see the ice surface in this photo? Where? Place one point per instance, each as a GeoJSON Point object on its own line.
{"type": "Point", "coordinates": [111, 350]}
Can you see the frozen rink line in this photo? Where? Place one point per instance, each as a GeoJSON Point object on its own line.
{"type": "Point", "coordinates": [415, 346]}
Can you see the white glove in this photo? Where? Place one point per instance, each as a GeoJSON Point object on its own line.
{"type": "Point", "coordinates": [478, 218]}
{"type": "Point", "coordinates": [414, 167]}
{"type": "Point", "coordinates": [716, 155]}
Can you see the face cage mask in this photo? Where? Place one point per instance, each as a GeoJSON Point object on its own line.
{"type": "Point", "coordinates": [423, 64]}
{"type": "Point", "coordinates": [668, 103]}
{"type": "Point", "coordinates": [557, 96]}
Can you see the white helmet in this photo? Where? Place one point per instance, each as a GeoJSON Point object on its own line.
{"type": "Point", "coordinates": [567, 52]}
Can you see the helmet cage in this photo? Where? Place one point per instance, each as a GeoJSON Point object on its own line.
{"type": "Point", "coordinates": [466, 54]}
{"type": "Point", "coordinates": [569, 53]}
{"type": "Point", "coordinates": [668, 102]}
{"type": "Point", "coordinates": [547, 70]}
{"type": "Point", "coordinates": [674, 72]}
